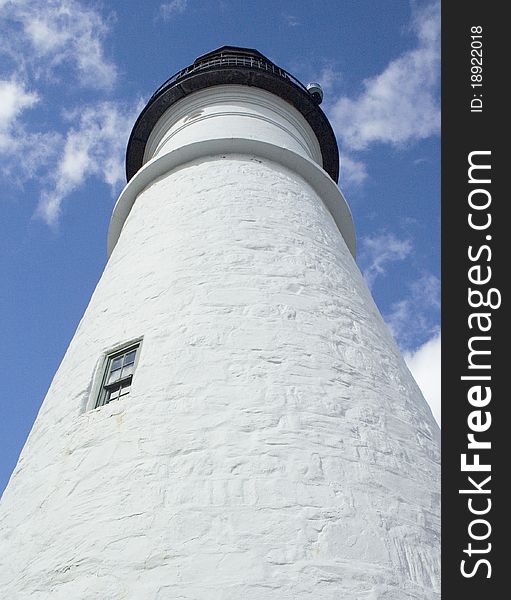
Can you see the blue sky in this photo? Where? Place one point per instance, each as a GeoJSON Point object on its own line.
{"type": "Point", "coordinates": [73, 77]}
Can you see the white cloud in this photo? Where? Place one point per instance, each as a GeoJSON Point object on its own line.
{"type": "Point", "coordinates": [22, 151]}
{"type": "Point", "coordinates": [378, 251]}
{"type": "Point", "coordinates": [328, 79]}
{"type": "Point", "coordinates": [415, 315]}
{"type": "Point", "coordinates": [95, 146]}
{"type": "Point", "coordinates": [14, 99]}
{"type": "Point", "coordinates": [352, 171]}
{"type": "Point", "coordinates": [292, 20]}
{"type": "Point", "coordinates": [51, 34]}
{"type": "Point", "coordinates": [424, 363]}
{"type": "Point", "coordinates": [45, 42]}
{"type": "Point", "coordinates": [175, 7]}
{"type": "Point", "coordinates": [400, 104]}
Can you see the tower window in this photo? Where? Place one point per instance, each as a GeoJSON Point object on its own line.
{"type": "Point", "coordinates": [118, 375]}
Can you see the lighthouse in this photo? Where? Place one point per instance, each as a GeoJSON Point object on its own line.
{"type": "Point", "coordinates": [232, 419]}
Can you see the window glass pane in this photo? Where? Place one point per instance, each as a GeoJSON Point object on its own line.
{"type": "Point", "coordinates": [125, 389]}
{"type": "Point", "coordinates": [112, 394]}
{"type": "Point", "coordinates": [129, 357]}
{"type": "Point", "coordinates": [114, 376]}
{"type": "Point", "coordinates": [116, 363]}
{"type": "Point", "coordinates": [127, 370]}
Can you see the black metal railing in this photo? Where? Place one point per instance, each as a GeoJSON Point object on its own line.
{"type": "Point", "coordinates": [230, 60]}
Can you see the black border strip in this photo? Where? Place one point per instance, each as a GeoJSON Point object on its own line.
{"type": "Point", "coordinates": [464, 131]}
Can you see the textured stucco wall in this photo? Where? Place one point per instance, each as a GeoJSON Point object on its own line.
{"type": "Point", "coordinates": [274, 444]}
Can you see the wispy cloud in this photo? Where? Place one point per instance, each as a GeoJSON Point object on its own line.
{"type": "Point", "coordinates": [44, 42]}
{"type": "Point", "coordinates": [93, 147]}
{"type": "Point", "coordinates": [424, 363]}
{"type": "Point", "coordinates": [400, 104]}
{"type": "Point", "coordinates": [170, 9]}
{"type": "Point", "coordinates": [50, 35]}
{"type": "Point", "coordinates": [329, 78]}
{"type": "Point", "coordinates": [291, 20]}
{"type": "Point", "coordinates": [352, 171]}
{"type": "Point", "coordinates": [413, 318]}
{"type": "Point", "coordinates": [380, 250]}
{"type": "Point", "coordinates": [22, 151]}
{"type": "Point", "coordinates": [14, 99]}
{"type": "Point", "coordinates": [416, 315]}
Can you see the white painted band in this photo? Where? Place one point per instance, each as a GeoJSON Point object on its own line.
{"type": "Point", "coordinates": [309, 170]}
{"type": "Point", "coordinates": [232, 111]}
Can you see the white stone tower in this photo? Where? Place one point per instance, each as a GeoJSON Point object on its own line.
{"type": "Point", "coordinates": [232, 420]}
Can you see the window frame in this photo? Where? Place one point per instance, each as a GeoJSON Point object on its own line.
{"type": "Point", "coordinates": [101, 390]}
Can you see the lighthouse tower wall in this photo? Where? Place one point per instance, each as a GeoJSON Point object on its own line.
{"type": "Point", "coordinates": [233, 111]}
{"type": "Point", "coordinates": [274, 444]}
